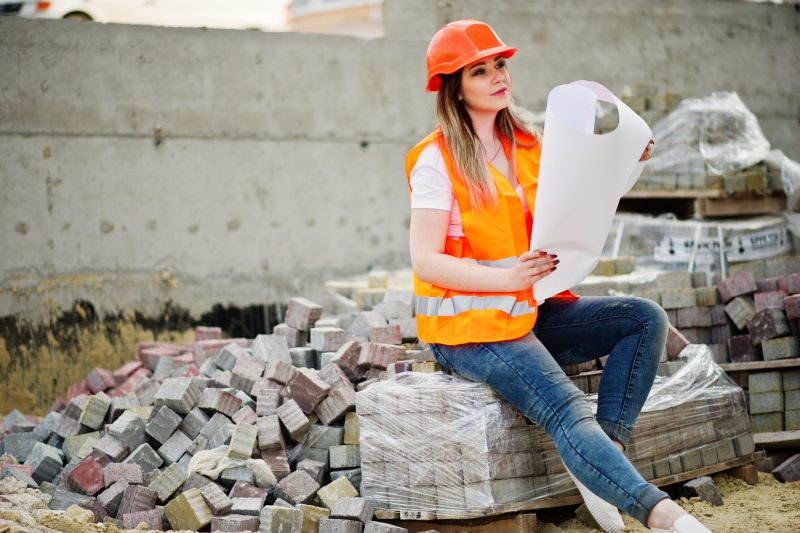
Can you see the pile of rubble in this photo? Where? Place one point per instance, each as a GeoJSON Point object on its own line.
{"type": "Point", "coordinates": [230, 435]}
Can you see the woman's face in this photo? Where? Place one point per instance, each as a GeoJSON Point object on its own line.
{"type": "Point", "coordinates": [486, 85]}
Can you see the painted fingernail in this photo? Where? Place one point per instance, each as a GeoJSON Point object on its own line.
{"type": "Point", "coordinates": [554, 267]}
{"type": "Point", "coordinates": [557, 261]}
{"type": "Point", "coordinates": [555, 255]}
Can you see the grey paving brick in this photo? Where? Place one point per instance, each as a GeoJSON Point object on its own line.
{"type": "Point", "coordinates": [129, 428]}
{"type": "Point", "coordinates": [271, 348]}
{"type": "Point", "coordinates": [175, 446]}
{"type": "Point", "coordinates": [280, 520]}
{"type": "Point", "coordinates": [179, 394]}
{"type": "Point", "coordinates": [163, 424]}
{"type": "Point", "coordinates": [146, 457]}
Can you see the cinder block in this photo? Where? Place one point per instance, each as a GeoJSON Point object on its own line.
{"type": "Point", "coordinates": [767, 324]}
{"type": "Point", "coordinates": [297, 487]}
{"type": "Point", "coordinates": [243, 441]}
{"type": "Point", "coordinates": [302, 313]}
{"type": "Point", "coordinates": [188, 511]}
{"type": "Point", "coordinates": [739, 284]}
{"type": "Point", "coordinates": [307, 389]}
{"type": "Point", "coordinates": [276, 519]}
{"type": "Point", "coordinates": [789, 470]}
{"type": "Point", "coordinates": [780, 348]}
{"type": "Point", "coordinates": [179, 394]}
{"type": "Point", "coordinates": [740, 310]}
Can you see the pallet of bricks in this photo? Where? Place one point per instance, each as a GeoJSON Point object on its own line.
{"type": "Point", "coordinates": [435, 446]}
{"type": "Point", "coordinates": [226, 434]}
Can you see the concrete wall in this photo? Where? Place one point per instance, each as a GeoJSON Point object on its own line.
{"type": "Point", "coordinates": [140, 165]}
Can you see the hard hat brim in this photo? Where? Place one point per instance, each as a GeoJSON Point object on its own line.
{"type": "Point", "coordinates": [434, 81]}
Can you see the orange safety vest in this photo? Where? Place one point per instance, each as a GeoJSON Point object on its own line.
{"type": "Point", "coordinates": [493, 236]}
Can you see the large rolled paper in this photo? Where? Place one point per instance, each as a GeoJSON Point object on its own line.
{"type": "Point", "coordinates": [582, 176]}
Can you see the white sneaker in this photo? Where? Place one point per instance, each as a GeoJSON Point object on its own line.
{"type": "Point", "coordinates": [606, 515]}
{"type": "Point", "coordinates": [685, 524]}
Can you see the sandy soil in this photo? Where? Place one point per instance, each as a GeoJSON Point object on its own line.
{"type": "Point", "coordinates": [768, 507]}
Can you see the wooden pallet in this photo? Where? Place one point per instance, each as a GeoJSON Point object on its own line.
{"type": "Point", "coordinates": [708, 203]}
{"type": "Point", "coordinates": [547, 503]}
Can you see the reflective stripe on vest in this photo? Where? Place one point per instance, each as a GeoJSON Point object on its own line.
{"type": "Point", "coordinates": [437, 306]}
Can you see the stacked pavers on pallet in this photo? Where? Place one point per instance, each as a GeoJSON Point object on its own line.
{"type": "Point", "coordinates": [276, 416]}
{"type": "Point", "coordinates": [435, 443]}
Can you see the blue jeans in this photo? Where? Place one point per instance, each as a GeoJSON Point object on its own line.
{"type": "Point", "coordinates": [527, 373]}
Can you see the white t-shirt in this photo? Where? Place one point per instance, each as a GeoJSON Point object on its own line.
{"type": "Point", "coordinates": [431, 188]}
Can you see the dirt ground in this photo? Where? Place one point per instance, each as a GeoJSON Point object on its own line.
{"type": "Point", "coordinates": [769, 507]}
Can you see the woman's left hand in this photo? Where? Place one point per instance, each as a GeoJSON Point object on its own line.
{"type": "Point", "coordinates": [646, 154]}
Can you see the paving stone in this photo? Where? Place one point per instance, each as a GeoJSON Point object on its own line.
{"type": "Point", "coordinates": [245, 415]}
{"type": "Point", "coordinates": [790, 283]}
{"type": "Point", "coordinates": [303, 356]}
{"type": "Point", "coordinates": [351, 428]}
{"type": "Point", "coordinates": [267, 403]}
{"type": "Point", "coordinates": [767, 324]}
{"type": "Point", "coordinates": [136, 498]}
{"type": "Point", "coordinates": [380, 356]}
{"type": "Point", "coordinates": [168, 481]}
{"type": "Point", "coordinates": [179, 394]}
{"type": "Point", "coordinates": [294, 337]}
{"type": "Point", "coordinates": [281, 520]}
{"type": "Point", "coordinates": [235, 523]}
{"type": "Point", "coordinates": [100, 379]}
{"type": "Point", "coordinates": [335, 490]}
{"type": "Point", "coordinates": [345, 456]}
{"type": "Point", "coordinates": [780, 348]}
{"type": "Point", "coordinates": [307, 389]}
{"type": "Point", "coordinates": [72, 445]}
{"type": "Point", "coordinates": [766, 402]}
{"type": "Point", "coordinates": [20, 445]}
{"type": "Point", "coordinates": [271, 348]}
{"type": "Point", "coordinates": [677, 298]}
{"type": "Point", "coordinates": [335, 525]}
{"type": "Point", "coordinates": [704, 488]}
{"type": "Point", "coordinates": [769, 300]}
{"type": "Point", "coordinates": [327, 339]}
{"type": "Point", "coordinates": [740, 310]}
{"type": "Point", "coordinates": [389, 334]}
{"type": "Point", "coordinates": [293, 419]}
{"type": "Point", "coordinates": [269, 433]}
{"type": "Point", "coordinates": [297, 487]}
{"type": "Point", "coordinates": [216, 499]}
{"type": "Point", "coordinates": [163, 424]}
{"type": "Point", "coordinates": [111, 497]}
{"type": "Point", "coordinates": [246, 506]}
{"type": "Point", "coordinates": [87, 477]}
{"type": "Point", "coordinates": [193, 423]}
{"type": "Point", "coordinates": [67, 427]}
{"type": "Point", "coordinates": [311, 517]}
{"type": "Point", "coordinates": [112, 447]}
{"type": "Point", "coordinates": [353, 509]}
{"type": "Point", "coordinates": [693, 317]}
{"type": "Point", "coordinates": [16, 473]}
{"type": "Point", "coordinates": [129, 428]}
{"type": "Point", "coordinates": [323, 437]}
{"type": "Point", "coordinates": [152, 518]}
{"type": "Point", "coordinates": [315, 469]}
{"type": "Point", "coordinates": [334, 376]}
{"type": "Point", "coordinates": [347, 358]}
{"type": "Point", "coordinates": [353, 475]}
{"type": "Point", "coordinates": [44, 461]}
{"type": "Point", "coordinates": [243, 489]}
{"type": "Point", "coordinates": [245, 372]}
{"type": "Point", "coordinates": [146, 391]}
{"type": "Point", "coordinates": [146, 457]}
{"type": "Point", "coordinates": [278, 461]}
{"type": "Point", "coordinates": [218, 430]}
{"type": "Point", "coordinates": [279, 371]}
{"type": "Point", "coordinates": [766, 422]}
{"type": "Point", "coordinates": [188, 511]}
{"type": "Point", "coordinates": [120, 404]}
{"type": "Point", "coordinates": [219, 401]}
{"type": "Point", "coordinates": [230, 476]}
{"type": "Point", "coordinates": [116, 472]}
{"type": "Point", "coordinates": [740, 284]}
{"type": "Point", "coordinates": [302, 313]}
{"type": "Point", "coordinates": [95, 410]}
{"type": "Point", "coordinates": [174, 447]}
{"type": "Point", "coordinates": [243, 441]}
{"type": "Point", "coordinates": [741, 349]}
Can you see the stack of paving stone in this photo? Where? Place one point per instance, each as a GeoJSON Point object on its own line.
{"type": "Point", "coordinates": [439, 445]}
{"type": "Point", "coordinates": [774, 400]}
{"type": "Point", "coordinates": [276, 412]}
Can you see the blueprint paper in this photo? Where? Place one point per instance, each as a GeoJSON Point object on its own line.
{"type": "Point", "coordinates": [582, 176]}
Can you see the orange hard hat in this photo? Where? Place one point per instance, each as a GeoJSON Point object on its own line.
{"type": "Point", "coordinates": [457, 45]}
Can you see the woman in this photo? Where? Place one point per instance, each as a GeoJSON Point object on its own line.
{"type": "Point", "coordinates": [473, 186]}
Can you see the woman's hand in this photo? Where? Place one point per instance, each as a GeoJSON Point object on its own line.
{"type": "Point", "coordinates": [646, 154]}
{"type": "Point", "coordinates": [530, 268]}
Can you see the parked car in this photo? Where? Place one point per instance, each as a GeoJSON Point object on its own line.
{"type": "Point", "coordinates": [15, 7]}
{"type": "Point", "coordinates": [269, 15]}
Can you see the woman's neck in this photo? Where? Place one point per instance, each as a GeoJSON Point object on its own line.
{"type": "Point", "coordinates": [483, 124]}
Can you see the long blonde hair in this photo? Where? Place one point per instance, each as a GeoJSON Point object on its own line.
{"type": "Point", "coordinates": [464, 145]}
